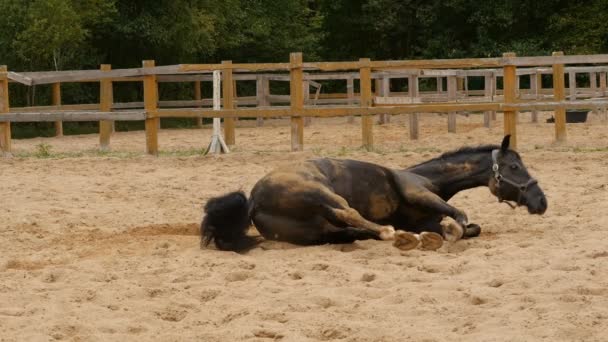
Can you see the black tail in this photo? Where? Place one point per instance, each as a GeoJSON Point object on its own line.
{"type": "Point", "coordinates": [226, 223]}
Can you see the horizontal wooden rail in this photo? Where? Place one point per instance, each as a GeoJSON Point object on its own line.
{"type": "Point", "coordinates": [186, 72]}
{"type": "Point", "coordinates": [336, 111]}
{"type": "Point", "coordinates": [73, 116]}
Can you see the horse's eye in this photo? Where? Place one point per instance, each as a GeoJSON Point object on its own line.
{"type": "Point", "coordinates": [514, 167]}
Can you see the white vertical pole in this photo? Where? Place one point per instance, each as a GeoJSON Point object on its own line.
{"type": "Point", "coordinates": [217, 142]}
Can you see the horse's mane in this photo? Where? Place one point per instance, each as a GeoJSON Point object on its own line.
{"type": "Point", "coordinates": [462, 151]}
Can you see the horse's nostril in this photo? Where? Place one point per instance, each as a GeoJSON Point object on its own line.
{"type": "Point", "coordinates": [543, 201]}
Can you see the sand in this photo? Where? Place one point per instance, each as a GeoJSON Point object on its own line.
{"type": "Point", "coordinates": [105, 247]}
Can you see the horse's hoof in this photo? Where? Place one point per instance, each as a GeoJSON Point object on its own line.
{"type": "Point", "coordinates": [405, 241]}
{"type": "Point", "coordinates": [453, 232]}
{"type": "Point", "coordinates": [430, 241]}
{"type": "Point", "coordinates": [472, 230]}
{"type": "Point", "coordinates": [387, 233]}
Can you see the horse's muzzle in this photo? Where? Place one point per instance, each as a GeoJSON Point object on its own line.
{"type": "Point", "coordinates": [536, 201]}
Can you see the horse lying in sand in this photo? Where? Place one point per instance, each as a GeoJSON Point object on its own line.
{"type": "Point", "coordinates": [340, 201]}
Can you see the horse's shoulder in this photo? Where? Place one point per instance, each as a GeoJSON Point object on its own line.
{"type": "Point", "coordinates": [409, 183]}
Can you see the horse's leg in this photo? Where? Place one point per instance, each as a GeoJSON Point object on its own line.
{"type": "Point", "coordinates": [350, 235]}
{"type": "Point", "coordinates": [313, 231]}
{"type": "Point", "coordinates": [349, 217]}
{"type": "Point", "coordinates": [428, 201]}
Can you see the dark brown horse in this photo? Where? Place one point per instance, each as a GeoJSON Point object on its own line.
{"type": "Point", "coordinates": [340, 201]}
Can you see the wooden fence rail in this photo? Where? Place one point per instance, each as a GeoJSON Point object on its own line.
{"type": "Point", "coordinates": [302, 103]}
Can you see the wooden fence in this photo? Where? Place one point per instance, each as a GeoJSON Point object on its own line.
{"type": "Point", "coordinates": [304, 104]}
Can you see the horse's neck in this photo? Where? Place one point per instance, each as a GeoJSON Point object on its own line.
{"type": "Point", "coordinates": [456, 173]}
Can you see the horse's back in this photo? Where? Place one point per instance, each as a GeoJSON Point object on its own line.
{"type": "Point", "coordinates": [366, 187]}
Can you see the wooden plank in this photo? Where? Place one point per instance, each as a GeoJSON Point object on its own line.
{"type": "Point", "coordinates": [73, 116]}
{"type": "Point", "coordinates": [593, 86]}
{"type": "Point", "coordinates": [559, 94]}
{"type": "Point", "coordinates": [367, 122]}
{"type": "Point", "coordinates": [150, 105]}
{"type": "Point", "coordinates": [228, 102]}
{"type": "Point", "coordinates": [386, 92]}
{"type": "Point", "coordinates": [572, 85]}
{"type": "Point", "coordinates": [552, 105]}
{"type": "Point", "coordinates": [262, 92]}
{"type": "Point", "coordinates": [555, 60]}
{"type": "Point", "coordinates": [602, 84]}
{"type": "Point", "coordinates": [414, 94]}
{"type": "Point", "coordinates": [275, 111]}
{"type": "Point", "coordinates": [380, 93]}
{"type": "Point", "coordinates": [488, 92]}
{"type": "Point", "coordinates": [56, 101]}
{"type": "Point", "coordinates": [17, 77]}
{"type": "Point", "coordinates": [297, 101]}
{"type": "Point", "coordinates": [235, 67]}
{"type": "Point", "coordinates": [350, 93]}
{"type": "Point", "coordinates": [5, 127]}
{"type": "Point", "coordinates": [197, 97]}
{"type": "Point", "coordinates": [452, 89]}
{"type": "Point", "coordinates": [535, 86]}
{"type": "Point", "coordinates": [330, 111]}
{"type": "Point", "coordinates": [306, 96]}
{"type": "Point", "coordinates": [105, 105]}
{"type": "Point", "coordinates": [510, 96]}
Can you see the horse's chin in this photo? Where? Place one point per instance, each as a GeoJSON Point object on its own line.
{"type": "Point", "coordinates": [536, 211]}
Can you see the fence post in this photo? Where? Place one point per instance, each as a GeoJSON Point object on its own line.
{"type": "Point", "coordinates": [228, 102]}
{"type": "Point", "coordinates": [572, 85]}
{"type": "Point", "coordinates": [413, 88]}
{"type": "Point", "coordinates": [297, 101]}
{"type": "Point", "coordinates": [306, 90]}
{"type": "Point", "coordinates": [198, 97]}
{"type": "Point", "coordinates": [150, 106]}
{"type": "Point", "coordinates": [367, 121]}
{"type": "Point", "coordinates": [381, 89]}
{"type": "Point", "coordinates": [105, 105]}
{"type": "Point", "coordinates": [559, 94]}
{"type": "Point", "coordinates": [378, 92]}
{"type": "Point", "coordinates": [487, 92]}
{"type": "Point", "coordinates": [350, 91]}
{"type": "Point", "coordinates": [510, 96]}
{"type": "Point", "coordinates": [603, 90]}
{"type": "Point", "coordinates": [56, 101]}
{"type": "Point", "coordinates": [535, 86]}
{"type": "Point", "coordinates": [261, 93]}
{"type": "Point", "coordinates": [5, 127]}
{"type": "Point", "coordinates": [452, 87]}
{"type": "Point", "coordinates": [386, 92]}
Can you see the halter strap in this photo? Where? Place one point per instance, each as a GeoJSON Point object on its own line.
{"type": "Point", "coordinates": [521, 187]}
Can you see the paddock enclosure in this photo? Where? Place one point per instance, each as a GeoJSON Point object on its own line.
{"type": "Point", "coordinates": [104, 245]}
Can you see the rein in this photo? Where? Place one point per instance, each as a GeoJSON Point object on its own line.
{"type": "Point", "coordinates": [521, 187]}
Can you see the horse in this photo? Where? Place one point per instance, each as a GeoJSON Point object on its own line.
{"type": "Point", "coordinates": [331, 201]}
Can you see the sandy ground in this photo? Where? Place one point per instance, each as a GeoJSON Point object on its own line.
{"type": "Point", "coordinates": [104, 247]}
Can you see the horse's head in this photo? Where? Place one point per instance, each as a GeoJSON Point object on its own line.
{"type": "Point", "coordinates": [512, 182]}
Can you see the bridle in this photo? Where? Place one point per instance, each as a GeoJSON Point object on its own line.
{"type": "Point", "coordinates": [521, 187]}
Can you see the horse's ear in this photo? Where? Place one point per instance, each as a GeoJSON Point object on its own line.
{"type": "Point", "coordinates": [505, 143]}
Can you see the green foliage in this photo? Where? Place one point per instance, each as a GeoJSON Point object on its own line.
{"type": "Point", "coordinates": [39, 35]}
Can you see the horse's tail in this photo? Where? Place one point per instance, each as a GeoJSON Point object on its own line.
{"type": "Point", "coordinates": [226, 223]}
